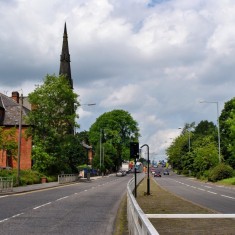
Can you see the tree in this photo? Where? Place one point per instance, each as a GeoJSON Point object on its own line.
{"type": "Point", "coordinates": [116, 128]}
{"type": "Point", "coordinates": [227, 132]}
{"type": "Point", "coordinates": [52, 120]}
{"type": "Point", "coordinates": [202, 154]}
{"type": "Point", "coordinates": [8, 143]}
{"type": "Point", "coordinates": [206, 128]}
{"type": "Point", "coordinates": [205, 154]}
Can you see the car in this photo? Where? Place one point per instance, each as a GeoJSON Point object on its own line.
{"type": "Point", "coordinates": [157, 174]}
{"type": "Point", "coordinates": [119, 173]}
{"type": "Point", "coordinates": [166, 172]}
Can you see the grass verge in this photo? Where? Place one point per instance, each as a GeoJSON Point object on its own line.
{"type": "Point", "coordinates": [121, 225]}
{"type": "Point", "coordinates": [162, 202]}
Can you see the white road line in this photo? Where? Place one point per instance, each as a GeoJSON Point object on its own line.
{"type": "Point", "coordinates": [4, 220]}
{"type": "Point", "coordinates": [193, 187]}
{"type": "Point", "coordinates": [227, 196]}
{"type": "Point", "coordinates": [207, 186]}
{"type": "Point", "coordinates": [4, 196]}
{"type": "Point", "coordinates": [211, 192]}
{"type": "Point", "coordinates": [202, 189]}
{"type": "Point", "coordinates": [35, 208]}
{"type": "Point", "coordinates": [1, 221]}
{"type": "Point", "coordinates": [17, 215]}
{"type": "Point", "coordinates": [62, 198]}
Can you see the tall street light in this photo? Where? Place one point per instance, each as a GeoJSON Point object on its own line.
{"type": "Point", "coordinates": [217, 105]}
{"type": "Point", "coordinates": [189, 141]}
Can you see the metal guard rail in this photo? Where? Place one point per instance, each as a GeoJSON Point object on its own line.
{"type": "Point", "coordinates": [67, 178]}
{"type": "Point", "coordinates": [138, 223]}
{"type": "Point", "coordinates": [6, 184]}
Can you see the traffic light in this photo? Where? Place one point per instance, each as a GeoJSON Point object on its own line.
{"type": "Point", "coordinates": [134, 149]}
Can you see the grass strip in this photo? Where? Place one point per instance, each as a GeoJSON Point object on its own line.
{"type": "Point", "coordinates": [163, 202]}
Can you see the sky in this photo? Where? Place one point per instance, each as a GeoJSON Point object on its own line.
{"type": "Point", "coordinates": [156, 59]}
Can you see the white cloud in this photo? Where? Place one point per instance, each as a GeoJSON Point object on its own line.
{"type": "Point", "coordinates": [153, 60]}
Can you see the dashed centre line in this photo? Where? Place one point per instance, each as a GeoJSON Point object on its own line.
{"type": "Point", "coordinates": [35, 208]}
{"type": "Point", "coordinates": [201, 189]}
{"type": "Point", "coordinates": [227, 196]}
{"type": "Point", "coordinates": [62, 198]}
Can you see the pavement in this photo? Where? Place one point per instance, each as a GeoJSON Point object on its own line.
{"type": "Point", "coordinates": [34, 187]}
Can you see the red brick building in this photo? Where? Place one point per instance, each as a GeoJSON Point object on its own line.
{"type": "Point", "coordinates": [10, 116]}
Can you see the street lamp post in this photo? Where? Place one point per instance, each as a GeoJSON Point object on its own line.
{"type": "Point", "coordinates": [189, 141]}
{"type": "Point", "coordinates": [148, 181]}
{"type": "Point", "coordinates": [217, 105]}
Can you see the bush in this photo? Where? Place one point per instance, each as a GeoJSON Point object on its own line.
{"type": "Point", "coordinates": [220, 172]}
{"type": "Point", "coordinates": [26, 176]}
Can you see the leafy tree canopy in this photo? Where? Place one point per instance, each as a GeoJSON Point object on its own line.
{"type": "Point", "coordinates": [52, 121]}
{"type": "Point", "coordinates": [227, 132]}
{"type": "Point", "coordinates": [115, 129]}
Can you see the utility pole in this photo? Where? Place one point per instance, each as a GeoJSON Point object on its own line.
{"type": "Point", "coordinates": [19, 140]}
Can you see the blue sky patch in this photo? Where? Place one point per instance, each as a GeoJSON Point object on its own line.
{"type": "Point", "coordinates": [153, 3]}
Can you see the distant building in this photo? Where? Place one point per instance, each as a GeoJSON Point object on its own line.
{"type": "Point", "coordinates": [10, 108]}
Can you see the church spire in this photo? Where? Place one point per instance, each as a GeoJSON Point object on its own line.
{"type": "Point", "coordinates": [65, 58]}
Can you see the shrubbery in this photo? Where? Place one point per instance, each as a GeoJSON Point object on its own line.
{"type": "Point", "coordinates": [220, 172]}
{"type": "Point", "coordinates": [26, 176]}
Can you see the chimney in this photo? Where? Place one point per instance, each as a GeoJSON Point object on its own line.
{"type": "Point", "coordinates": [15, 96]}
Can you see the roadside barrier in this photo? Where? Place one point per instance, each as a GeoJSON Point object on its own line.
{"type": "Point", "coordinates": [138, 223]}
{"type": "Point", "coordinates": [67, 178]}
{"type": "Point", "coordinates": [6, 184]}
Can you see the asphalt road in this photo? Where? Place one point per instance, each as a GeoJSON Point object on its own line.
{"type": "Point", "coordinates": [82, 208]}
{"type": "Point", "coordinates": [217, 198]}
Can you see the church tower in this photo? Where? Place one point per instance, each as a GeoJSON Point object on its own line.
{"type": "Point", "coordinates": [65, 58]}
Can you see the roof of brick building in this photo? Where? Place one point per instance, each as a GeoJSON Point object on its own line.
{"type": "Point", "coordinates": [12, 111]}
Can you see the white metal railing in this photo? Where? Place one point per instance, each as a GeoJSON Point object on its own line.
{"type": "Point", "coordinates": [6, 184]}
{"type": "Point", "coordinates": [138, 223]}
{"type": "Point", "coordinates": [67, 178]}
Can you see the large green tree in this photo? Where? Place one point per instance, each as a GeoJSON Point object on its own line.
{"type": "Point", "coordinates": [227, 132]}
{"type": "Point", "coordinates": [114, 130]}
{"type": "Point", "coordinates": [203, 152]}
{"type": "Point", "coordinates": [52, 120]}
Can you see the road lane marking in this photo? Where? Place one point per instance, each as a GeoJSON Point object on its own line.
{"type": "Point", "coordinates": [193, 187]}
{"type": "Point", "coordinates": [1, 221]}
{"type": "Point", "coordinates": [17, 215]}
{"type": "Point", "coordinates": [35, 208]}
{"type": "Point", "coordinates": [211, 192]}
{"type": "Point", "coordinates": [202, 189]}
{"type": "Point", "coordinates": [4, 220]}
{"type": "Point", "coordinates": [207, 186]}
{"type": "Point", "coordinates": [62, 198]}
{"type": "Point", "coordinates": [227, 196]}
{"type": "Point", "coordinates": [4, 196]}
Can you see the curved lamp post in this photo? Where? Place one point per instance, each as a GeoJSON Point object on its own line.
{"type": "Point", "coordinates": [148, 181]}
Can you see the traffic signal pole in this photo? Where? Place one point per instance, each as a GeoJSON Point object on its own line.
{"type": "Point", "coordinates": [148, 180]}
{"type": "Point", "coordinates": [134, 153]}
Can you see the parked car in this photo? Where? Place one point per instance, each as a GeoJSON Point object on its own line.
{"type": "Point", "coordinates": [157, 174]}
{"type": "Point", "coordinates": [166, 172]}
